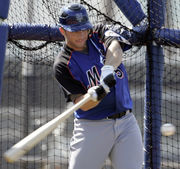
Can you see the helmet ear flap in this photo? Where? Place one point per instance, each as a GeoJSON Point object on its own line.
{"type": "Point", "coordinates": [64, 15]}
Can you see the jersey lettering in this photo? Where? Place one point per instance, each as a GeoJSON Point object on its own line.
{"type": "Point", "coordinates": [119, 73]}
{"type": "Point", "coordinates": [93, 77]}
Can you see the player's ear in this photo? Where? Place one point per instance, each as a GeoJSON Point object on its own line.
{"type": "Point", "coordinates": [61, 30]}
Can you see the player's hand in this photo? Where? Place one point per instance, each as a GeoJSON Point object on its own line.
{"type": "Point", "coordinates": [107, 79]}
{"type": "Point", "coordinates": [97, 92]}
{"type": "Point", "coordinates": [92, 92]}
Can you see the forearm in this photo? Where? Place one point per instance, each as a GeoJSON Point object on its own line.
{"type": "Point", "coordinates": [114, 54]}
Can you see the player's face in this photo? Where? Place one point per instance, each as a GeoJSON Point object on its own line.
{"type": "Point", "coordinates": [76, 40]}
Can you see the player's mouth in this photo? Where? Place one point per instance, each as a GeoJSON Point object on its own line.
{"type": "Point", "coordinates": [81, 41]}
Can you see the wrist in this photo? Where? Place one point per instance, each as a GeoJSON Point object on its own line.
{"type": "Point", "coordinates": [105, 71]}
{"type": "Point", "coordinates": [108, 68]}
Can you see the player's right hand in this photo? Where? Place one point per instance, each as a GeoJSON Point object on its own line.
{"type": "Point", "coordinates": [107, 79]}
{"type": "Point", "coordinates": [93, 93]}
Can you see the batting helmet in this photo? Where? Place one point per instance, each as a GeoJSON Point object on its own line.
{"type": "Point", "coordinates": [74, 18]}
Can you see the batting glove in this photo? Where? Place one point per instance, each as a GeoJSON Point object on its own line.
{"type": "Point", "coordinates": [97, 92]}
{"type": "Point", "coordinates": [92, 92]}
{"type": "Point", "coordinates": [107, 79]}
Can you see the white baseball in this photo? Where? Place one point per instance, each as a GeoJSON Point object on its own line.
{"type": "Point", "coordinates": [168, 129]}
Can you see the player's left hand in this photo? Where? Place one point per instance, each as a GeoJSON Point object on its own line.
{"type": "Point", "coordinates": [107, 79]}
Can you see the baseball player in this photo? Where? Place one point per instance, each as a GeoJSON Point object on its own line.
{"type": "Point", "coordinates": [91, 61]}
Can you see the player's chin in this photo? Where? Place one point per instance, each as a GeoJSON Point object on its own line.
{"type": "Point", "coordinates": [80, 45]}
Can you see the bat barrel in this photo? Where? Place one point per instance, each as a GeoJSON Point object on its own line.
{"type": "Point", "coordinates": [23, 146]}
{"type": "Point", "coordinates": [13, 154]}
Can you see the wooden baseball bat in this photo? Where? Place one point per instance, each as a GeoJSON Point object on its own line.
{"type": "Point", "coordinates": [24, 145]}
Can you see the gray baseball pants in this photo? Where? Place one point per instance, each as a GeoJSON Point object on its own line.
{"type": "Point", "coordinates": [95, 140]}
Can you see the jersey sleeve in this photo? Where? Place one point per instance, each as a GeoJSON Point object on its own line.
{"type": "Point", "coordinates": [70, 86]}
{"type": "Point", "coordinates": [108, 33]}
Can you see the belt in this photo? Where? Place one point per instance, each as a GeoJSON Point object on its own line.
{"type": "Point", "coordinates": [119, 115]}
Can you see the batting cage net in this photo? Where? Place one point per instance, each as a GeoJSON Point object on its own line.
{"type": "Point", "coordinates": [31, 97]}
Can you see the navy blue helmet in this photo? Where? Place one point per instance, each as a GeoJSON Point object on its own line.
{"type": "Point", "coordinates": [74, 18]}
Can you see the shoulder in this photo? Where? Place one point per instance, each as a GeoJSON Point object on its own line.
{"type": "Point", "coordinates": [63, 56]}
{"type": "Point", "coordinates": [99, 27]}
{"type": "Point", "coordinates": [104, 32]}
{"type": "Point", "coordinates": [60, 66]}
{"type": "Point", "coordinates": [108, 33]}
{"type": "Point", "coordinates": [62, 59]}
{"type": "Point", "coordinates": [98, 30]}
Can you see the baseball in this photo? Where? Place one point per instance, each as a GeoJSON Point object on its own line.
{"type": "Point", "coordinates": [168, 129]}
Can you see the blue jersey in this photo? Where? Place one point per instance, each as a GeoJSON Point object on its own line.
{"type": "Point", "coordinates": [78, 71]}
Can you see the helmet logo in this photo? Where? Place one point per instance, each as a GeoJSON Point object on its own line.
{"type": "Point", "coordinates": [79, 17]}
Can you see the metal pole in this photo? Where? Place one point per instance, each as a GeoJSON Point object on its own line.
{"type": "Point", "coordinates": [4, 9]}
{"type": "Point", "coordinates": [27, 80]}
{"type": "Point", "coordinates": [154, 72]}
